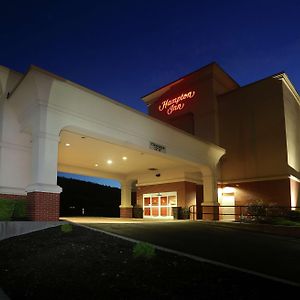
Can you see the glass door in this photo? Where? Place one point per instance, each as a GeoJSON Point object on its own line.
{"type": "Point", "coordinates": [159, 205]}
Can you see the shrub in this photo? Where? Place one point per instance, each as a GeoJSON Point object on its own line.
{"type": "Point", "coordinates": [293, 215]}
{"type": "Point", "coordinates": [185, 213]}
{"type": "Point", "coordinates": [6, 209]}
{"type": "Point", "coordinates": [143, 250]}
{"type": "Point", "coordinates": [20, 210]}
{"type": "Point", "coordinates": [66, 228]}
{"type": "Point", "coordinates": [257, 210]}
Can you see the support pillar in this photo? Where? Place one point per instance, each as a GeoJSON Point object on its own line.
{"type": "Point", "coordinates": [210, 205]}
{"type": "Point", "coordinates": [43, 206]}
{"type": "Point", "coordinates": [43, 194]}
{"type": "Point", "coordinates": [126, 207]}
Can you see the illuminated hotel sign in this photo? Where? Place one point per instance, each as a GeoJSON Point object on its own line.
{"type": "Point", "coordinates": [177, 103]}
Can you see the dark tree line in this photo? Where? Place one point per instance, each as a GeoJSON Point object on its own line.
{"type": "Point", "coordinates": [91, 199]}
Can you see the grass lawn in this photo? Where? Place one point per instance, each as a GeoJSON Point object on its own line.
{"type": "Point", "coordinates": [84, 264]}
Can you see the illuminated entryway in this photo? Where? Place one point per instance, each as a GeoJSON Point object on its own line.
{"type": "Point", "coordinates": [159, 205]}
{"type": "Point", "coordinates": [226, 199]}
{"type": "Point", "coordinates": [52, 124]}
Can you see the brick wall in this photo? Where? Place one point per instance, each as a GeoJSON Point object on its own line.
{"type": "Point", "coordinates": [186, 192]}
{"type": "Point", "coordinates": [269, 191]}
{"type": "Point", "coordinates": [14, 197]}
{"type": "Point", "coordinates": [126, 212]}
{"type": "Point", "coordinates": [43, 206]}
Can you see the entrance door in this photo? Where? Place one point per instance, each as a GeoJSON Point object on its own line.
{"type": "Point", "coordinates": [227, 201]}
{"type": "Point", "coordinates": [159, 205]}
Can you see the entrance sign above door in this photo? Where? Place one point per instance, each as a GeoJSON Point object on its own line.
{"type": "Point", "coordinates": [157, 147]}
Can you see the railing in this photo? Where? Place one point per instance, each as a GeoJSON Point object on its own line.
{"type": "Point", "coordinates": [245, 213]}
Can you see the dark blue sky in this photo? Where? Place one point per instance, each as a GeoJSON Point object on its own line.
{"type": "Point", "coordinates": [126, 49]}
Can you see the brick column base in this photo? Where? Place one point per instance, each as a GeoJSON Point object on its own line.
{"type": "Point", "coordinates": [210, 213]}
{"type": "Point", "coordinates": [13, 197]}
{"type": "Point", "coordinates": [125, 212]}
{"type": "Point", "coordinates": [43, 206]}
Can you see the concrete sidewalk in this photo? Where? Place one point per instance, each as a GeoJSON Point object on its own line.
{"type": "Point", "coordinates": [103, 220]}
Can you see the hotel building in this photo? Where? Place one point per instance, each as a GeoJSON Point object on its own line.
{"type": "Point", "coordinates": [205, 142]}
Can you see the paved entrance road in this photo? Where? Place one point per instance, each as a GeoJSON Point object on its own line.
{"type": "Point", "coordinates": [268, 254]}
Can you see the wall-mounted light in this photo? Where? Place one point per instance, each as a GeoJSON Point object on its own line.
{"type": "Point", "coordinates": [67, 145]}
{"type": "Point", "coordinates": [228, 190]}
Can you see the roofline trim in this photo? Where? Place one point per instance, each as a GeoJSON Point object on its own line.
{"type": "Point", "coordinates": [283, 76]}
{"type": "Point", "coordinates": [85, 89]}
{"type": "Point", "coordinates": [189, 74]}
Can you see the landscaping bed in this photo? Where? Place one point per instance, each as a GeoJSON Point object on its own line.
{"type": "Point", "coordinates": [78, 263]}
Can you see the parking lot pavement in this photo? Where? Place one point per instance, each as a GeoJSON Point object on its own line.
{"type": "Point", "coordinates": [268, 254]}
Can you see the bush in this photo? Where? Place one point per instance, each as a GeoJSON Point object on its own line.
{"type": "Point", "coordinates": [143, 250]}
{"type": "Point", "coordinates": [293, 215]}
{"type": "Point", "coordinates": [256, 210]}
{"type": "Point", "coordinates": [185, 213]}
{"type": "Point", "coordinates": [6, 209]}
{"type": "Point", "coordinates": [66, 228]}
{"type": "Point", "coordinates": [20, 210]}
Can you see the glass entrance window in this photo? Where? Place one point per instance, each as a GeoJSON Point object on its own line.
{"type": "Point", "coordinates": [159, 205]}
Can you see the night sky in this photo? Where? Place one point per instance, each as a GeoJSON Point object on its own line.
{"type": "Point", "coordinates": [126, 49]}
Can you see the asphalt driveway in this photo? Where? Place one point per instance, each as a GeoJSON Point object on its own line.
{"type": "Point", "coordinates": [265, 253]}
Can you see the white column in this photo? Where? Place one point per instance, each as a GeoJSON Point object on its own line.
{"type": "Point", "coordinates": [210, 205]}
{"type": "Point", "coordinates": [126, 187]}
{"type": "Point", "coordinates": [210, 190]}
{"type": "Point", "coordinates": [44, 163]}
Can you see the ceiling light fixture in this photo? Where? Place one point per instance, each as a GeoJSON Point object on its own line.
{"type": "Point", "coordinates": [124, 158]}
{"type": "Point", "coordinates": [109, 161]}
{"type": "Point", "coordinates": [67, 145]}
{"type": "Point", "coordinates": [96, 165]}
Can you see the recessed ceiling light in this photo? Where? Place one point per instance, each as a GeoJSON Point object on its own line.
{"type": "Point", "coordinates": [124, 158]}
{"type": "Point", "coordinates": [96, 165]}
{"type": "Point", "coordinates": [109, 162]}
{"type": "Point", "coordinates": [67, 145]}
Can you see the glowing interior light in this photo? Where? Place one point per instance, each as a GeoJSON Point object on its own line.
{"type": "Point", "coordinates": [96, 165]}
{"type": "Point", "coordinates": [67, 145]}
{"type": "Point", "coordinates": [109, 162]}
{"type": "Point", "coordinates": [124, 158]}
{"type": "Point", "coordinates": [228, 190]}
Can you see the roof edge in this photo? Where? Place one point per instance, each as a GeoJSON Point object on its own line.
{"type": "Point", "coordinates": [212, 65]}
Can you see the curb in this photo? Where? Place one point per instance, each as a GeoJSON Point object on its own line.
{"type": "Point", "coordinates": [280, 230]}
{"type": "Point", "coordinates": [10, 229]}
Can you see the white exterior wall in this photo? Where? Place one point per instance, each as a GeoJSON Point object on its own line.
{"type": "Point", "coordinates": [15, 147]}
